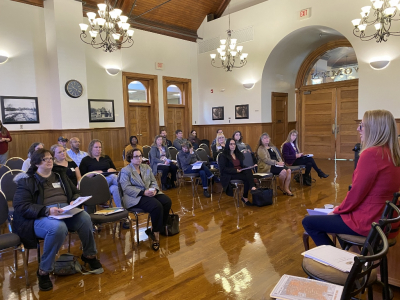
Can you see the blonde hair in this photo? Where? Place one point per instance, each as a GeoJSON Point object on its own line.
{"type": "Point", "coordinates": [380, 130]}
{"type": "Point", "coordinates": [218, 136]}
{"type": "Point", "coordinates": [53, 151]}
{"type": "Point", "coordinates": [91, 145]}
{"type": "Point", "coordinates": [155, 141]}
{"type": "Point", "coordinates": [260, 140]}
{"type": "Point", "coordinates": [289, 139]}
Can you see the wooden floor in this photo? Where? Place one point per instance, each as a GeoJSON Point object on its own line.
{"type": "Point", "coordinates": [221, 252]}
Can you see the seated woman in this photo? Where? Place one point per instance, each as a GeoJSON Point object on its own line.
{"type": "Point", "coordinates": [269, 161]}
{"type": "Point", "coordinates": [27, 163]}
{"type": "Point", "coordinates": [219, 146]}
{"type": "Point", "coordinates": [97, 162]}
{"type": "Point", "coordinates": [141, 191]}
{"type": "Point", "coordinates": [160, 159]}
{"type": "Point", "coordinates": [375, 180]}
{"type": "Point", "coordinates": [186, 157]}
{"type": "Point", "coordinates": [230, 163]}
{"type": "Point", "coordinates": [133, 144]}
{"type": "Point", "coordinates": [41, 194]}
{"type": "Point", "coordinates": [194, 139]}
{"type": "Point", "coordinates": [62, 163]}
{"type": "Point", "coordinates": [237, 137]}
{"type": "Point", "coordinates": [292, 156]}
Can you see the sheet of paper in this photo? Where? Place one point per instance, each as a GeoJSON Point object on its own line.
{"type": "Point", "coordinates": [248, 168]}
{"type": "Point", "coordinates": [197, 165]}
{"type": "Point", "coordinates": [334, 257]}
{"type": "Point", "coordinates": [77, 202]}
{"type": "Point", "coordinates": [67, 214]}
{"type": "Point", "coordinates": [319, 211]}
{"type": "Point", "coordinates": [309, 155]}
{"type": "Point", "coordinates": [261, 174]}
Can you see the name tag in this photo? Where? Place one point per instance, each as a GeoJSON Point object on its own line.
{"type": "Point", "coordinates": [73, 169]}
{"type": "Point", "coordinates": [56, 185]}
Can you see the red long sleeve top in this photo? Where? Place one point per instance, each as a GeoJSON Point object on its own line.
{"type": "Point", "coordinates": [4, 145]}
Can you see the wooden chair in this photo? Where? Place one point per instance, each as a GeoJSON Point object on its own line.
{"type": "Point", "coordinates": [206, 148]}
{"type": "Point", "coordinates": [202, 154]}
{"type": "Point", "coordinates": [146, 151]}
{"type": "Point", "coordinates": [174, 152]}
{"type": "Point", "coordinates": [15, 163]}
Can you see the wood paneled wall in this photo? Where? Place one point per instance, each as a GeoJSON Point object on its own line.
{"type": "Point", "coordinates": [291, 126]}
{"type": "Point", "coordinates": [113, 140]}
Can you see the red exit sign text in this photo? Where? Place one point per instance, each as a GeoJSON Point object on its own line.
{"type": "Point", "coordinates": [305, 14]}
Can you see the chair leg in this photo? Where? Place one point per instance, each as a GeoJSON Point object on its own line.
{"type": "Point", "coordinates": [306, 241]}
{"type": "Point", "coordinates": [69, 242]}
{"type": "Point", "coordinates": [24, 260]}
{"type": "Point", "coordinates": [131, 230]}
{"type": "Point", "coordinates": [370, 293]}
{"type": "Point", "coordinates": [137, 228]}
{"type": "Point", "coordinates": [38, 252]}
{"type": "Point", "coordinates": [15, 259]}
{"type": "Point", "coordinates": [384, 278]}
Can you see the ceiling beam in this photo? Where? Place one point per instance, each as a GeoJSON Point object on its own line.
{"type": "Point", "coordinates": [220, 10]}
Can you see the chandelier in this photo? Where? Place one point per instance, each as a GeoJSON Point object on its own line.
{"type": "Point", "coordinates": [110, 31]}
{"type": "Point", "coordinates": [380, 15]}
{"type": "Point", "coordinates": [229, 53]}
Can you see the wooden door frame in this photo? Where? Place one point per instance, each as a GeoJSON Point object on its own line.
{"type": "Point", "coordinates": [273, 112]}
{"type": "Point", "coordinates": [154, 113]}
{"type": "Point", "coordinates": [187, 100]}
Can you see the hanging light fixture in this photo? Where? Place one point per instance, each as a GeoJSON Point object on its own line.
{"type": "Point", "coordinates": [229, 53]}
{"type": "Point", "coordinates": [380, 16]}
{"type": "Point", "coordinates": [110, 31]}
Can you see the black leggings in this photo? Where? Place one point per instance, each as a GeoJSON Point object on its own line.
{"type": "Point", "coordinates": [172, 168]}
{"type": "Point", "coordinates": [158, 207]}
{"type": "Point", "coordinates": [308, 162]}
{"type": "Point", "coordinates": [248, 181]}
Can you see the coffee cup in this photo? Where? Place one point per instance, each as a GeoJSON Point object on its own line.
{"type": "Point", "coordinates": [211, 167]}
{"type": "Point", "coordinates": [328, 206]}
{"type": "Point", "coordinates": [152, 189]}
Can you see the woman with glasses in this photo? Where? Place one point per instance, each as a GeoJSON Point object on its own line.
{"type": "Point", "coordinates": [230, 166]}
{"type": "Point", "coordinates": [41, 194]}
{"type": "Point", "coordinates": [140, 190]}
{"type": "Point", "coordinates": [375, 180]}
{"type": "Point", "coordinates": [97, 162]}
{"type": "Point", "coordinates": [292, 156]}
{"type": "Point", "coordinates": [62, 163]}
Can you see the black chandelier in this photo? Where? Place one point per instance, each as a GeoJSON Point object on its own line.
{"type": "Point", "coordinates": [380, 15]}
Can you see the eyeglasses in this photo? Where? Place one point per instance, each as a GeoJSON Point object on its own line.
{"type": "Point", "coordinates": [361, 125]}
{"type": "Point", "coordinates": [232, 144]}
{"type": "Point", "coordinates": [47, 159]}
{"type": "Point", "coordinates": [137, 156]}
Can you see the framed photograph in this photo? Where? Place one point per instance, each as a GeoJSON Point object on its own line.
{"type": "Point", "coordinates": [19, 110]}
{"type": "Point", "coordinates": [242, 111]}
{"type": "Point", "coordinates": [218, 113]}
{"type": "Point", "coordinates": [101, 110]}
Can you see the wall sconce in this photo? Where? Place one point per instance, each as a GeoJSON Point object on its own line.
{"type": "Point", "coordinates": [3, 57]}
{"type": "Point", "coordinates": [112, 71]}
{"type": "Point", "coordinates": [248, 86]}
{"type": "Point", "coordinates": [379, 65]}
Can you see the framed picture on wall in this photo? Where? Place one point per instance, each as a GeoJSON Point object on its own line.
{"type": "Point", "coordinates": [19, 110]}
{"type": "Point", "coordinates": [218, 113]}
{"type": "Point", "coordinates": [242, 111]}
{"type": "Point", "coordinates": [101, 110]}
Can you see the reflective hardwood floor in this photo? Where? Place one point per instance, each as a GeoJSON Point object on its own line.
{"type": "Point", "coordinates": [221, 252]}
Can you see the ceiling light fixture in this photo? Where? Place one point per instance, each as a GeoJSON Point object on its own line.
{"type": "Point", "coordinates": [381, 16]}
{"type": "Point", "coordinates": [112, 71]}
{"type": "Point", "coordinates": [248, 86]}
{"type": "Point", "coordinates": [379, 64]}
{"type": "Point", "coordinates": [3, 57]}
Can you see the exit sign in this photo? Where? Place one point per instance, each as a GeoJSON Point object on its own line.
{"type": "Point", "coordinates": [305, 14]}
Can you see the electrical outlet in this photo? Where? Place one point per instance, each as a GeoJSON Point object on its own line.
{"type": "Point", "coordinates": [21, 126]}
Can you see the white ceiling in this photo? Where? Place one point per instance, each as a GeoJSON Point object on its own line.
{"type": "Point", "coordinates": [236, 5]}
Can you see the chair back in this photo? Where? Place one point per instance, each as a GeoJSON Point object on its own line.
{"type": "Point", "coordinates": [202, 154]}
{"type": "Point", "coordinates": [15, 163]}
{"type": "Point", "coordinates": [248, 159]}
{"type": "Point", "coordinates": [4, 169]}
{"type": "Point", "coordinates": [205, 141]}
{"type": "Point", "coordinates": [95, 186]}
{"type": "Point", "coordinates": [3, 208]}
{"type": "Point", "coordinates": [7, 184]}
{"type": "Point", "coordinates": [206, 148]}
{"type": "Point", "coordinates": [248, 147]}
{"type": "Point", "coordinates": [121, 191]}
{"type": "Point", "coordinates": [146, 150]}
{"type": "Point", "coordinates": [374, 250]}
{"type": "Point", "coordinates": [387, 220]}
{"type": "Point", "coordinates": [174, 152]}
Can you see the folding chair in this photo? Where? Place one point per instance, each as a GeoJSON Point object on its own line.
{"type": "Point", "coordinates": [146, 151]}
{"type": "Point", "coordinates": [174, 152]}
{"type": "Point", "coordinates": [14, 163]}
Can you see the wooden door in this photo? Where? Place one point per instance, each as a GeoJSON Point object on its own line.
{"type": "Point", "coordinates": [139, 124]}
{"type": "Point", "coordinates": [176, 120]}
{"type": "Point", "coordinates": [279, 118]}
{"type": "Point", "coordinates": [318, 123]}
{"type": "Point", "coordinates": [347, 113]}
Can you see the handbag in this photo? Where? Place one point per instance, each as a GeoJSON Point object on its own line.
{"type": "Point", "coordinates": [172, 226]}
{"type": "Point", "coordinates": [262, 196]}
{"type": "Point", "coordinates": [67, 264]}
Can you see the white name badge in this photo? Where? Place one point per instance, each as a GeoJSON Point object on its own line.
{"type": "Point", "coordinates": [56, 185]}
{"type": "Point", "coordinates": [73, 169]}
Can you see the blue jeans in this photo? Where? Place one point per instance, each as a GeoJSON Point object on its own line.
{"type": "Point", "coordinates": [318, 228]}
{"type": "Point", "coordinates": [112, 181]}
{"type": "Point", "coordinates": [54, 232]}
{"type": "Point", "coordinates": [204, 172]}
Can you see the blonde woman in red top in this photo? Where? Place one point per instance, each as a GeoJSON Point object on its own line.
{"type": "Point", "coordinates": [375, 180]}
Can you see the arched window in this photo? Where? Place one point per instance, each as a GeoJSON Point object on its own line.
{"type": "Point", "coordinates": [338, 64]}
{"type": "Point", "coordinates": [174, 94]}
{"type": "Point", "coordinates": [137, 92]}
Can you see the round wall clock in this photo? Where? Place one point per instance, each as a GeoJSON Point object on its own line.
{"type": "Point", "coordinates": [73, 88]}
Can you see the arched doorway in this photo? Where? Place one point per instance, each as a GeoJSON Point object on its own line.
{"type": "Point", "coordinates": [327, 101]}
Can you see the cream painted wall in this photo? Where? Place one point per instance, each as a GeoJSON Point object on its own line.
{"type": "Point", "coordinates": [273, 21]}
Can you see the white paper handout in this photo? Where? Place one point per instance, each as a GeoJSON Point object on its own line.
{"type": "Point", "coordinates": [309, 155]}
{"type": "Point", "coordinates": [298, 288]}
{"type": "Point", "coordinates": [197, 165]}
{"type": "Point", "coordinates": [77, 202]}
{"type": "Point", "coordinates": [67, 214]}
{"type": "Point", "coordinates": [319, 211]}
{"type": "Point", "coordinates": [332, 256]}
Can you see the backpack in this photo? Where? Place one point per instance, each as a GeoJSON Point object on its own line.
{"type": "Point", "coordinates": [67, 264]}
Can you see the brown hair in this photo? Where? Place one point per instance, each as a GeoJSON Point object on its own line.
{"type": "Point", "coordinates": [289, 140]}
{"type": "Point", "coordinates": [129, 155]}
{"type": "Point", "coordinates": [260, 141]}
{"type": "Point", "coordinates": [91, 145]}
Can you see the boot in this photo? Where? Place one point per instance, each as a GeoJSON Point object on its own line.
{"type": "Point", "coordinates": [307, 179]}
{"type": "Point", "coordinates": [322, 174]}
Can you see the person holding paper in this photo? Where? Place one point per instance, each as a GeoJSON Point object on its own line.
{"type": "Point", "coordinates": [140, 190]}
{"type": "Point", "coordinates": [186, 157]}
{"type": "Point", "coordinates": [375, 180]}
{"type": "Point", "coordinates": [230, 164]}
{"type": "Point", "coordinates": [160, 159]}
{"type": "Point", "coordinates": [42, 193]}
{"type": "Point", "coordinates": [292, 156]}
{"type": "Point", "coordinates": [269, 160]}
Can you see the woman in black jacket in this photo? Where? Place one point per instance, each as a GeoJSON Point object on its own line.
{"type": "Point", "coordinates": [230, 163]}
{"type": "Point", "coordinates": [40, 196]}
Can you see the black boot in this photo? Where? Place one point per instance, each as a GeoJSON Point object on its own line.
{"type": "Point", "coordinates": [322, 174]}
{"type": "Point", "coordinates": [45, 283]}
{"type": "Point", "coordinates": [307, 179]}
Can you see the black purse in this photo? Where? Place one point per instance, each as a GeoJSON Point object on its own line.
{"type": "Point", "coordinates": [262, 196]}
{"type": "Point", "coordinates": [172, 226]}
